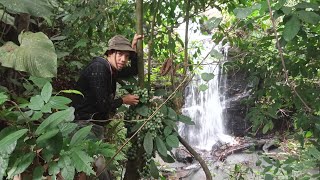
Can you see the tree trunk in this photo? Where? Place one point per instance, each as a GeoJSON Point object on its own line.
{"type": "Point", "coordinates": [139, 13]}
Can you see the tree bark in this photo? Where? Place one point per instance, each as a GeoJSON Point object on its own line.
{"type": "Point", "coordinates": [139, 14]}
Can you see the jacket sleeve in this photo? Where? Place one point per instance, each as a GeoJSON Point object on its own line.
{"type": "Point", "coordinates": [131, 70]}
{"type": "Point", "coordinates": [99, 78]}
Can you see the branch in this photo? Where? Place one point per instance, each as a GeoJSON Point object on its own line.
{"type": "Point", "coordinates": [197, 157]}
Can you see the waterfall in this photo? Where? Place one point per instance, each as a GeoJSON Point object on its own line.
{"type": "Point", "coordinates": [205, 108]}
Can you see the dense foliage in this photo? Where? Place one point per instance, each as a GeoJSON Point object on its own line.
{"type": "Point", "coordinates": [56, 38]}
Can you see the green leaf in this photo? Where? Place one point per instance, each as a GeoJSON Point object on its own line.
{"type": "Point", "coordinates": [68, 171]}
{"type": "Point", "coordinates": [47, 135]}
{"type": "Point", "coordinates": [213, 23]}
{"type": "Point", "coordinates": [21, 164]}
{"type": "Point", "coordinates": [6, 18]}
{"type": "Point", "coordinates": [148, 143]}
{"type": "Point", "coordinates": [207, 76]}
{"type": "Point", "coordinates": [216, 54]}
{"type": "Point", "coordinates": [291, 29]}
{"type": "Point", "coordinates": [38, 8]}
{"type": "Point", "coordinates": [203, 87]}
{"type": "Point", "coordinates": [167, 130]}
{"type": "Point", "coordinates": [308, 134]}
{"type": "Point", "coordinates": [67, 128]}
{"type": "Point", "coordinates": [82, 162]}
{"type": "Point", "coordinates": [154, 170]}
{"type": "Point", "coordinates": [185, 119]}
{"type": "Point", "coordinates": [53, 168]}
{"type": "Point", "coordinates": [160, 92]}
{"type": "Point", "coordinates": [308, 17]}
{"type": "Point", "coordinates": [6, 151]}
{"type": "Point", "coordinates": [161, 147]}
{"type": "Point", "coordinates": [55, 119]}
{"type": "Point", "coordinates": [39, 81]}
{"type": "Point", "coordinates": [36, 103]}
{"type": "Point", "coordinates": [268, 177]}
{"type": "Point", "coordinates": [70, 91]}
{"type": "Point", "coordinates": [38, 173]}
{"type": "Point", "coordinates": [46, 92]}
{"type": "Point", "coordinates": [143, 110]}
{"type": "Point", "coordinates": [171, 123]}
{"type": "Point", "coordinates": [35, 55]}
{"type": "Point", "coordinates": [12, 137]}
{"type": "Point", "coordinates": [59, 102]}
{"type": "Point", "coordinates": [80, 135]}
{"type": "Point", "coordinates": [172, 141]}
{"type": "Point", "coordinates": [46, 108]}
{"type": "Point", "coordinates": [242, 13]}
{"type": "Point", "coordinates": [3, 98]}
{"type": "Point", "coordinates": [305, 5]}
{"type": "Point", "coordinates": [172, 114]}
{"type": "Point", "coordinates": [265, 128]}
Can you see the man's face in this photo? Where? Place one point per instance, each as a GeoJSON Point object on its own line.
{"type": "Point", "coordinates": [120, 59]}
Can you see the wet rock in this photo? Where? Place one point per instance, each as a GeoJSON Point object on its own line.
{"type": "Point", "coordinates": [182, 155]}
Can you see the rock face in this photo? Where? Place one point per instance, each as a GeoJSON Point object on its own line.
{"type": "Point", "coordinates": [235, 91]}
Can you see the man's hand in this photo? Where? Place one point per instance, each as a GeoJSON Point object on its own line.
{"type": "Point", "coordinates": [135, 40]}
{"type": "Point", "coordinates": [130, 99]}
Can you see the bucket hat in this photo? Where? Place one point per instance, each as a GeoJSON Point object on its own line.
{"type": "Point", "coordinates": [119, 43]}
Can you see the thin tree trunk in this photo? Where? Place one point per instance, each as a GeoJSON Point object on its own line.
{"type": "Point", "coordinates": [139, 14]}
{"type": "Point", "coordinates": [186, 37]}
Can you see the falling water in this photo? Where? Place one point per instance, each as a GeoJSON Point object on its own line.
{"type": "Point", "coordinates": [206, 107]}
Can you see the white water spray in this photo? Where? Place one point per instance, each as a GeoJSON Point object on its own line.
{"type": "Point", "coordinates": [205, 108]}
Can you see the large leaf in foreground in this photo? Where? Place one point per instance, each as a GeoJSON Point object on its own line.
{"type": "Point", "coordinates": [35, 55]}
{"type": "Point", "coordinates": [82, 162]}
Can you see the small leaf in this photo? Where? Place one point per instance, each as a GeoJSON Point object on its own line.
{"type": "Point", "coordinates": [58, 38]}
{"type": "Point", "coordinates": [143, 110]}
{"type": "Point", "coordinates": [308, 134]}
{"type": "Point", "coordinates": [12, 137]}
{"type": "Point", "coordinates": [216, 54]}
{"type": "Point", "coordinates": [242, 13]}
{"type": "Point", "coordinates": [172, 141]}
{"type": "Point", "coordinates": [265, 128]}
{"type": "Point", "coordinates": [67, 128]}
{"type": "Point", "coordinates": [3, 98]}
{"type": "Point", "coordinates": [79, 136]}
{"type": "Point", "coordinates": [59, 102]}
{"type": "Point", "coordinates": [46, 92]}
{"type": "Point", "coordinates": [47, 135]}
{"type": "Point", "coordinates": [203, 87]}
{"type": "Point", "coordinates": [21, 164]}
{"type": "Point", "coordinates": [38, 173]}
{"type": "Point", "coordinates": [207, 76]}
{"type": "Point", "coordinates": [36, 103]}
{"type": "Point", "coordinates": [68, 171]}
{"type": "Point", "coordinates": [148, 143]}
{"type": "Point", "coordinates": [167, 130]}
{"type": "Point", "coordinates": [291, 29]}
{"type": "Point", "coordinates": [185, 119]}
{"type": "Point", "coordinates": [70, 91]}
{"type": "Point", "coordinates": [154, 170]}
{"type": "Point", "coordinates": [82, 162]}
{"type": "Point", "coordinates": [171, 123]}
{"type": "Point", "coordinates": [36, 115]}
{"type": "Point", "coordinates": [161, 147]}
{"type": "Point", "coordinates": [308, 17]}
{"type": "Point", "coordinates": [172, 114]}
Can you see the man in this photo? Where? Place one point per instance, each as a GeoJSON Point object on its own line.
{"type": "Point", "coordinates": [97, 81]}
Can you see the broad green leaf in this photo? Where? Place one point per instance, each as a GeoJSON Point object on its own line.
{"type": "Point", "coordinates": [279, 4]}
{"type": "Point", "coordinates": [308, 134]}
{"type": "Point", "coordinates": [39, 81]}
{"type": "Point", "coordinates": [59, 102]}
{"type": "Point", "coordinates": [308, 17]}
{"type": "Point", "coordinates": [47, 135]}
{"type": "Point", "coordinates": [242, 13]}
{"type": "Point", "coordinates": [291, 29]}
{"type": "Point", "coordinates": [36, 115]}
{"type": "Point", "coordinates": [68, 171]}
{"type": "Point", "coordinates": [314, 152]}
{"type": "Point", "coordinates": [38, 173]}
{"type": "Point", "coordinates": [67, 128]}
{"type": "Point", "coordinates": [164, 110]}
{"type": "Point", "coordinates": [143, 110]}
{"type": "Point", "coordinates": [148, 143]}
{"type": "Point", "coordinates": [171, 123]}
{"type": "Point", "coordinates": [160, 92]}
{"type": "Point", "coordinates": [53, 168]}
{"type": "Point", "coordinates": [305, 5]}
{"type": "Point", "coordinates": [46, 108]}
{"type": "Point", "coordinates": [172, 141]}
{"type": "Point", "coordinates": [185, 119]}
{"type": "Point", "coordinates": [38, 8]}
{"type": "Point", "coordinates": [54, 120]}
{"type": "Point", "coordinates": [203, 87]}
{"type": "Point", "coordinates": [21, 164]}
{"type": "Point", "coordinates": [161, 147]}
{"type": "Point", "coordinates": [36, 103]}
{"type": "Point", "coordinates": [3, 98]}
{"type": "Point", "coordinates": [207, 76]}
{"type": "Point", "coordinates": [172, 114]}
{"type": "Point", "coordinates": [36, 55]}
{"type": "Point", "coordinates": [167, 158]}
{"type": "Point", "coordinates": [82, 162]}
{"type": "Point", "coordinates": [154, 170]}
{"type": "Point", "coordinates": [80, 135]}
{"type": "Point", "coordinates": [46, 92]}
{"type": "Point", "coordinates": [213, 23]}
{"type": "Point", "coordinates": [6, 151]}
{"type": "Point", "coordinates": [265, 128]}
{"type": "Point", "coordinates": [12, 137]}
{"type": "Point", "coordinates": [81, 43]}
{"type": "Point", "coordinates": [216, 54]}
{"type": "Point", "coordinates": [268, 177]}
{"type": "Point", "coordinates": [7, 18]}
{"type": "Point", "coordinates": [167, 130]}
{"type": "Point", "coordinates": [70, 91]}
